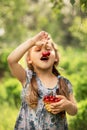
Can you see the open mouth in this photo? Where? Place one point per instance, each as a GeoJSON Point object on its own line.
{"type": "Point", "coordinates": [44, 58]}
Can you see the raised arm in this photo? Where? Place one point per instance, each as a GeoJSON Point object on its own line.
{"type": "Point", "coordinates": [16, 69]}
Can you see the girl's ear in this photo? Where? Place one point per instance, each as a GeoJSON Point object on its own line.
{"type": "Point", "coordinates": [56, 59]}
{"type": "Point", "coordinates": [29, 61]}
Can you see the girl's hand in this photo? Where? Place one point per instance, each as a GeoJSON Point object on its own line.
{"type": "Point", "coordinates": [59, 106]}
{"type": "Point", "coordinates": [40, 37]}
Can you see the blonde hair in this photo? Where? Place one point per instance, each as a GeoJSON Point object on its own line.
{"type": "Point", "coordinates": [32, 98]}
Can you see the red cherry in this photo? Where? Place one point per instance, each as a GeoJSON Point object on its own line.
{"type": "Point", "coordinates": [57, 99]}
{"type": "Point", "coordinates": [48, 53]}
{"type": "Point", "coordinates": [50, 96]}
{"type": "Point", "coordinates": [51, 99]}
{"type": "Point", "coordinates": [46, 98]}
{"type": "Point", "coordinates": [45, 54]}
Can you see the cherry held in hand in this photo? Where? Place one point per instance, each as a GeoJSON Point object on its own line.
{"type": "Point", "coordinates": [50, 99]}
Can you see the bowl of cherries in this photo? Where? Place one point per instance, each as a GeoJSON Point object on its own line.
{"type": "Point", "coordinates": [48, 99]}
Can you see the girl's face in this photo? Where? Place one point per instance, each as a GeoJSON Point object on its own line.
{"type": "Point", "coordinates": [42, 55]}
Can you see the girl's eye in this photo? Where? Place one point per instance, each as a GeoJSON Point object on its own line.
{"type": "Point", "coordinates": [38, 49]}
{"type": "Point", "coordinates": [49, 48]}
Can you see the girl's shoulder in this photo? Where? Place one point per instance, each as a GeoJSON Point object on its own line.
{"type": "Point", "coordinates": [29, 74]}
{"type": "Point", "coordinates": [67, 81]}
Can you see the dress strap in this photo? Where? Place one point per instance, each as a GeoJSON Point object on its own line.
{"type": "Point", "coordinates": [59, 76]}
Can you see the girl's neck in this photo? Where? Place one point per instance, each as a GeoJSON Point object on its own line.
{"type": "Point", "coordinates": [48, 79]}
{"type": "Point", "coordinates": [44, 74]}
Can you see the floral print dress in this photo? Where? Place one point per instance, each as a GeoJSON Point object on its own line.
{"type": "Point", "coordinates": [39, 118]}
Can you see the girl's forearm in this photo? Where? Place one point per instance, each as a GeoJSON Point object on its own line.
{"type": "Point", "coordinates": [17, 54]}
{"type": "Point", "coordinates": [71, 109]}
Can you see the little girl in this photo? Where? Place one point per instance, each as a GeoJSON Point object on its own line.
{"type": "Point", "coordinates": [41, 78]}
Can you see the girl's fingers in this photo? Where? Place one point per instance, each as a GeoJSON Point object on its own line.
{"type": "Point", "coordinates": [41, 36]}
{"type": "Point", "coordinates": [54, 105]}
{"type": "Point", "coordinates": [39, 43]}
{"type": "Point", "coordinates": [44, 34]}
{"type": "Point", "coordinates": [55, 112]}
{"type": "Point", "coordinates": [42, 42]}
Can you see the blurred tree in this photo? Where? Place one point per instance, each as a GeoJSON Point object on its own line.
{"type": "Point", "coordinates": [71, 29]}
{"type": "Point", "coordinates": [79, 122]}
{"type": "Point", "coordinates": [20, 19]}
{"type": "Point", "coordinates": [82, 4]}
{"type": "Point", "coordinates": [11, 16]}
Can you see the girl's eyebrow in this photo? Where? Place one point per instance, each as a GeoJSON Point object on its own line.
{"type": "Point", "coordinates": [40, 46]}
{"type": "Point", "coordinates": [37, 47]}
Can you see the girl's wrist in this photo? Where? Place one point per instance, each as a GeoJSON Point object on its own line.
{"type": "Point", "coordinates": [68, 105]}
{"type": "Point", "coordinates": [71, 108]}
{"type": "Point", "coordinates": [31, 42]}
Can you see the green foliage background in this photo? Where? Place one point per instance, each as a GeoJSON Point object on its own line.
{"type": "Point", "coordinates": [67, 24]}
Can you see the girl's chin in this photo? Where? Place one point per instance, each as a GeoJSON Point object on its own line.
{"type": "Point", "coordinates": [45, 68]}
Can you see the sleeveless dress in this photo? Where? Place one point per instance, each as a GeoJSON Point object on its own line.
{"type": "Point", "coordinates": [39, 118]}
